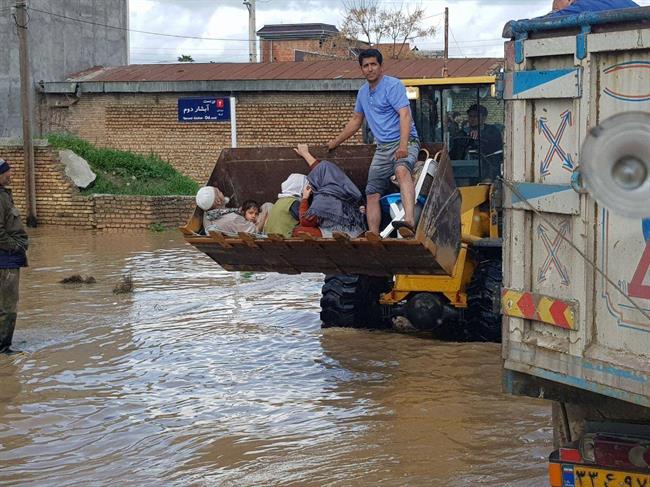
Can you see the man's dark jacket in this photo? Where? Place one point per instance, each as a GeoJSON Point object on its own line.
{"type": "Point", "coordinates": [13, 237]}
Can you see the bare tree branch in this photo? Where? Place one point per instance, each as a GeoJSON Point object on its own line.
{"type": "Point", "coordinates": [366, 19]}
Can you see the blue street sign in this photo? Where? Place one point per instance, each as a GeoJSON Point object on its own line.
{"type": "Point", "coordinates": [204, 110]}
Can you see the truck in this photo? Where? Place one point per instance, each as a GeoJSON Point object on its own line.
{"type": "Point", "coordinates": [446, 280]}
{"type": "Point", "coordinates": [576, 238]}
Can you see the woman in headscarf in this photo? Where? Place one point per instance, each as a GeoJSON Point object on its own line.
{"type": "Point", "coordinates": [336, 201]}
{"type": "Point", "coordinates": [284, 215]}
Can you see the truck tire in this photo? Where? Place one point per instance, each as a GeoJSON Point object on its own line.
{"type": "Point", "coordinates": [483, 315]}
{"type": "Point", "coordinates": [352, 301]}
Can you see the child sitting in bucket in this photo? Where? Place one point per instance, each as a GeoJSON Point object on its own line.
{"type": "Point", "coordinates": [217, 218]}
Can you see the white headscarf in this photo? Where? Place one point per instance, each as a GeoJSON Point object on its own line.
{"type": "Point", "coordinates": [293, 186]}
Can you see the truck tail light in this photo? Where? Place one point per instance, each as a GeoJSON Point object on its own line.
{"type": "Point", "coordinates": [616, 451]}
{"type": "Point", "coordinates": [570, 455]}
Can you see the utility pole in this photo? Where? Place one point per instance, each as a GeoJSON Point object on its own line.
{"type": "Point", "coordinates": [445, 71]}
{"type": "Point", "coordinates": [252, 35]}
{"type": "Point", "coordinates": [26, 110]}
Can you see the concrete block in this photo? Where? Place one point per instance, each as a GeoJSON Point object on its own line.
{"type": "Point", "coordinates": [77, 169]}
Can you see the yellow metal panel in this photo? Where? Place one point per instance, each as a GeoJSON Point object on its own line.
{"type": "Point", "coordinates": [473, 196]}
{"type": "Point", "coordinates": [544, 309]}
{"type": "Point", "coordinates": [470, 80]}
{"type": "Point", "coordinates": [509, 303]}
{"type": "Point", "coordinates": [473, 223]}
{"type": "Point", "coordinates": [452, 286]}
{"type": "Point", "coordinates": [458, 299]}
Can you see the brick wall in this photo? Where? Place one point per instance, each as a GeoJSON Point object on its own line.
{"type": "Point", "coordinates": [59, 202]}
{"type": "Point", "coordinates": [281, 51]}
{"type": "Point", "coordinates": [145, 123]}
{"type": "Point", "coordinates": [129, 212]}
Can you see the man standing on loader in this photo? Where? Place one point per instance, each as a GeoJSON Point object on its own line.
{"type": "Point", "coordinates": [382, 101]}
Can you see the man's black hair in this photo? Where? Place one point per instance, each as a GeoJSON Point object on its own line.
{"type": "Point", "coordinates": [480, 109]}
{"type": "Point", "coordinates": [370, 53]}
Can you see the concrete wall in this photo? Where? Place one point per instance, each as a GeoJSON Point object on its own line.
{"type": "Point", "coordinates": [145, 122]}
{"type": "Point", "coordinates": [58, 46]}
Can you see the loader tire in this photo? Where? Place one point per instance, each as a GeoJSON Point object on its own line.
{"type": "Point", "coordinates": [483, 315]}
{"type": "Point", "coordinates": [352, 301]}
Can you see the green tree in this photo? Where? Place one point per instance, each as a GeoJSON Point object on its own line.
{"type": "Point", "coordinates": [185, 58]}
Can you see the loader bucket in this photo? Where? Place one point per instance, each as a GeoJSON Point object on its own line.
{"type": "Point", "coordinates": [257, 173]}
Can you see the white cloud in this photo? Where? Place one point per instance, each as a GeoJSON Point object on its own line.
{"type": "Point", "coordinates": [475, 25]}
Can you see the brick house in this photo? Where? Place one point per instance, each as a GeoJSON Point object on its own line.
{"type": "Point", "coordinates": [290, 42]}
{"type": "Point", "coordinates": [136, 107]}
{"type": "Point", "coordinates": [313, 42]}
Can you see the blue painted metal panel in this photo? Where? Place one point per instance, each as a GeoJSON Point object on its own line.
{"type": "Point", "coordinates": [581, 42]}
{"type": "Point", "coordinates": [203, 109]}
{"type": "Point", "coordinates": [519, 48]}
{"type": "Point", "coordinates": [582, 370]}
{"type": "Point", "coordinates": [526, 80]}
{"type": "Point", "coordinates": [514, 28]}
{"type": "Point", "coordinates": [530, 191]}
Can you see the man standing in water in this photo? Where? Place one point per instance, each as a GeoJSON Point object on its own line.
{"type": "Point", "coordinates": [13, 247]}
{"type": "Point", "coordinates": [382, 101]}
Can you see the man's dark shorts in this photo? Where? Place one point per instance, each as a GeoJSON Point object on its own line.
{"type": "Point", "coordinates": [383, 165]}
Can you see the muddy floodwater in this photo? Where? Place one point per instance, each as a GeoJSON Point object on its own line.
{"type": "Point", "coordinates": [204, 377]}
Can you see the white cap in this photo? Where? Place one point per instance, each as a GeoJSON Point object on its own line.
{"type": "Point", "coordinates": [209, 197]}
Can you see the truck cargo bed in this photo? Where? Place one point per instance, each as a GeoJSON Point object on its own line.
{"type": "Point", "coordinates": [257, 173]}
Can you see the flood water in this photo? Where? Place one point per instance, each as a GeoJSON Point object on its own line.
{"type": "Point", "coordinates": [204, 377]}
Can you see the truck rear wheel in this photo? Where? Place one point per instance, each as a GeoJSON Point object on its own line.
{"type": "Point", "coordinates": [352, 301]}
{"type": "Point", "coordinates": [483, 315]}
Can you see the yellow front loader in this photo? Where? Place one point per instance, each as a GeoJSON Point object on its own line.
{"type": "Point", "coordinates": [445, 281]}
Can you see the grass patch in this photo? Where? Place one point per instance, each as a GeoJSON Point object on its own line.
{"type": "Point", "coordinates": [120, 172]}
{"type": "Point", "coordinates": [157, 227]}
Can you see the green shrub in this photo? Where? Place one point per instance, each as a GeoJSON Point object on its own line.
{"type": "Point", "coordinates": [120, 172]}
{"type": "Point", "coordinates": [157, 227]}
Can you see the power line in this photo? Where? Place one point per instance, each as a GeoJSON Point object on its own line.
{"type": "Point", "coordinates": [98, 24]}
{"type": "Point", "coordinates": [178, 36]}
{"type": "Point", "coordinates": [454, 38]}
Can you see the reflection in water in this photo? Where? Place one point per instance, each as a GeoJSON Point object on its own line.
{"type": "Point", "coordinates": [212, 378]}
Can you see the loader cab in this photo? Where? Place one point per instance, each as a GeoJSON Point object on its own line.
{"type": "Point", "coordinates": [464, 115]}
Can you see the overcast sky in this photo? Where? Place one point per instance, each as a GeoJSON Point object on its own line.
{"type": "Point", "coordinates": [475, 25]}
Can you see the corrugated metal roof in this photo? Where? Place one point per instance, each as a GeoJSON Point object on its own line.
{"type": "Point", "coordinates": [307, 70]}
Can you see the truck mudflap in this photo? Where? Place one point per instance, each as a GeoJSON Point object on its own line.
{"type": "Point", "coordinates": [257, 173]}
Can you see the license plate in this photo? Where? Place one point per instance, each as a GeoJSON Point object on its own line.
{"type": "Point", "coordinates": [585, 476]}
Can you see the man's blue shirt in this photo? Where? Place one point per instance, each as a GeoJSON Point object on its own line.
{"type": "Point", "coordinates": [581, 6]}
{"type": "Point", "coordinates": [381, 106]}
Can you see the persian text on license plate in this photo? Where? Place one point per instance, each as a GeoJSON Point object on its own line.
{"type": "Point", "coordinates": [583, 476]}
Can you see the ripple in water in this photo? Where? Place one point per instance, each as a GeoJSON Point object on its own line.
{"type": "Point", "coordinates": [204, 377]}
